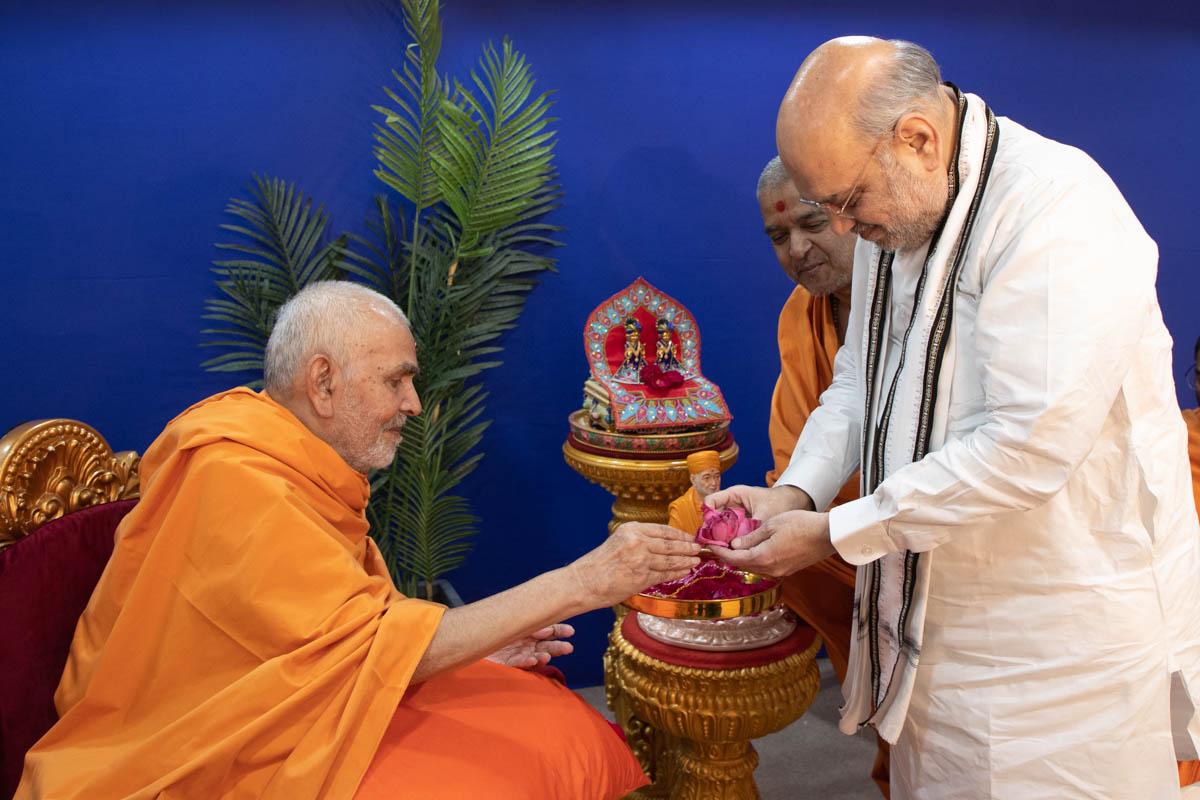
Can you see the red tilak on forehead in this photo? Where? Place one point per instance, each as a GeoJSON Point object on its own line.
{"type": "Point", "coordinates": [780, 205]}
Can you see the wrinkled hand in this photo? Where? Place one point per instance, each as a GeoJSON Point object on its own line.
{"type": "Point", "coordinates": [786, 543]}
{"type": "Point", "coordinates": [759, 501]}
{"type": "Point", "coordinates": [536, 649]}
{"type": "Point", "coordinates": [634, 556]}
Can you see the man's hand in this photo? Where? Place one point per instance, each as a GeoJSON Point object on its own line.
{"type": "Point", "coordinates": [786, 543]}
{"type": "Point", "coordinates": [761, 502]}
{"type": "Point", "coordinates": [634, 556]}
{"type": "Point", "coordinates": [536, 649]}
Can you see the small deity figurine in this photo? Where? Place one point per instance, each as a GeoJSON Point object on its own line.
{"type": "Point", "coordinates": [704, 471]}
{"type": "Point", "coordinates": [666, 354]}
{"type": "Point", "coordinates": [635, 352]}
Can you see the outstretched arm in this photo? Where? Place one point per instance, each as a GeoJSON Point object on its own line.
{"type": "Point", "coordinates": [1065, 299]}
{"type": "Point", "coordinates": [634, 556]}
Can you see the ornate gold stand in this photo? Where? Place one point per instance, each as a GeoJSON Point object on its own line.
{"type": "Point", "coordinates": [642, 488]}
{"type": "Point", "coordinates": [691, 728]}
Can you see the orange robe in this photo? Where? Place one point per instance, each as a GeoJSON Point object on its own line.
{"type": "Point", "coordinates": [1192, 417]}
{"type": "Point", "coordinates": [489, 731]}
{"type": "Point", "coordinates": [684, 512]}
{"type": "Point", "coordinates": [823, 594]}
{"type": "Point", "coordinates": [237, 643]}
{"type": "Point", "coordinates": [245, 639]}
{"type": "Point", "coordinates": [1189, 771]}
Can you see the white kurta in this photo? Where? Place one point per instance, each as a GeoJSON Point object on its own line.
{"type": "Point", "coordinates": [1065, 583]}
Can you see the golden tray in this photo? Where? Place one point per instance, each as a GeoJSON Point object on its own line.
{"type": "Point", "coordinates": [708, 609]}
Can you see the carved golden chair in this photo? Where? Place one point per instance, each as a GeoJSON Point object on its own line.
{"type": "Point", "coordinates": [62, 493]}
{"type": "Point", "coordinates": [51, 467]}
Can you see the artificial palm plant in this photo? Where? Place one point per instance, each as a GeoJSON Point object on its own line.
{"type": "Point", "coordinates": [457, 244]}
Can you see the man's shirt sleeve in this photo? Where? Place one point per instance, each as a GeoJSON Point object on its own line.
{"type": "Point", "coordinates": [1062, 308]}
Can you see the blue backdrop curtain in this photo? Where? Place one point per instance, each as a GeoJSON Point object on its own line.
{"type": "Point", "coordinates": [127, 126]}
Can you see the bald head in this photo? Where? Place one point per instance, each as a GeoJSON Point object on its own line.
{"type": "Point", "coordinates": [869, 119]}
{"type": "Point", "coordinates": [853, 89]}
{"type": "Point", "coordinates": [824, 93]}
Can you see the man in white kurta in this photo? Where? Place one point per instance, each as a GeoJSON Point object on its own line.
{"type": "Point", "coordinates": [1028, 588]}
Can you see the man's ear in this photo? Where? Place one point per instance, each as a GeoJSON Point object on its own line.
{"type": "Point", "coordinates": [919, 141]}
{"type": "Point", "coordinates": [320, 382]}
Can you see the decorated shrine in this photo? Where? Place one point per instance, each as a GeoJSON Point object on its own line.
{"type": "Point", "coordinates": [643, 350]}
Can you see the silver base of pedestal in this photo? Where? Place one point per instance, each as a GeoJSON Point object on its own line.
{"type": "Point", "coordinates": [738, 633]}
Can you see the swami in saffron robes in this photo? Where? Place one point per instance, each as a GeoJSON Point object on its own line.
{"type": "Point", "coordinates": [1191, 418]}
{"type": "Point", "coordinates": [246, 641]}
{"type": "Point", "coordinates": [823, 594]}
{"type": "Point", "coordinates": [704, 472]}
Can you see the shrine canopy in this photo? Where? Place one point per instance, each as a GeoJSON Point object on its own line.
{"type": "Point", "coordinates": [643, 347]}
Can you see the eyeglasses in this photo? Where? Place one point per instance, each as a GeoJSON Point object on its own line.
{"type": "Point", "coordinates": [840, 211]}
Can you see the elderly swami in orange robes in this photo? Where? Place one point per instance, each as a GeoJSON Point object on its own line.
{"type": "Point", "coordinates": [1191, 416]}
{"type": "Point", "coordinates": [246, 641]}
{"type": "Point", "coordinates": [704, 471]}
{"type": "Point", "coordinates": [812, 326]}
{"type": "Point", "coordinates": [1189, 771]}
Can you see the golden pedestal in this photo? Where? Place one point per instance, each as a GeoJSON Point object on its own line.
{"type": "Point", "coordinates": [642, 488]}
{"type": "Point", "coordinates": [691, 727]}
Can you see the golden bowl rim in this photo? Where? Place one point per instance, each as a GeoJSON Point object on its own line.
{"type": "Point", "coordinates": [672, 608]}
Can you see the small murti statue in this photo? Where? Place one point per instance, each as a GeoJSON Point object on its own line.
{"type": "Point", "coordinates": [666, 353]}
{"type": "Point", "coordinates": [704, 471]}
{"type": "Point", "coordinates": [635, 352]}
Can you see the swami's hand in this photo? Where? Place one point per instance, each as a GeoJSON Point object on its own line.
{"type": "Point", "coordinates": [536, 649]}
{"type": "Point", "coordinates": [786, 543]}
{"type": "Point", "coordinates": [634, 556]}
{"type": "Point", "coordinates": [759, 501]}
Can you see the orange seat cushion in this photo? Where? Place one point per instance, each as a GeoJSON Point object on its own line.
{"type": "Point", "coordinates": [493, 731]}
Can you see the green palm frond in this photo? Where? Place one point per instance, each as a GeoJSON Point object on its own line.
{"type": "Point", "coordinates": [472, 168]}
{"type": "Point", "coordinates": [408, 136]}
{"type": "Point", "coordinates": [409, 140]}
{"type": "Point", "coordinates": [462, 273]}
{"type": "Point", "coordinates": [380, 261]}
{"type": "Point", "coordinates": [495, 161]}
{"type": "Point", "coordinates": [282, 248]}
{"type": "Point", "coordinates": [421, 528]}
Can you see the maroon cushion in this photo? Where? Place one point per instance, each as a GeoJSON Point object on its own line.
{"type": "Point", "coordinates": [45, 582]}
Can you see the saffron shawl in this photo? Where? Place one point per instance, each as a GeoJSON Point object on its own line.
{"type": "Point", "coordinates": [245, 639]}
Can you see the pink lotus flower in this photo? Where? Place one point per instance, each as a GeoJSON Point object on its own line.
{"type": "Point", "coordinates": [722, 527]}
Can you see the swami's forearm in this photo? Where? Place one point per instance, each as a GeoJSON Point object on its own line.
{"type": "Point", "coordinates": [476, 630]}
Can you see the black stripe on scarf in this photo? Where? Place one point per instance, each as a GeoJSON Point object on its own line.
{"type": "Point", "coordinates": [935, 352]}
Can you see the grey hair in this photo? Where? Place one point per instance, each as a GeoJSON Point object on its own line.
{"type": "Point", "coordinates": [911, 82]}
{"type": "Point", "coordinates": [320, 318]}
{"type": "Point", "coordinates": [773, 176]}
